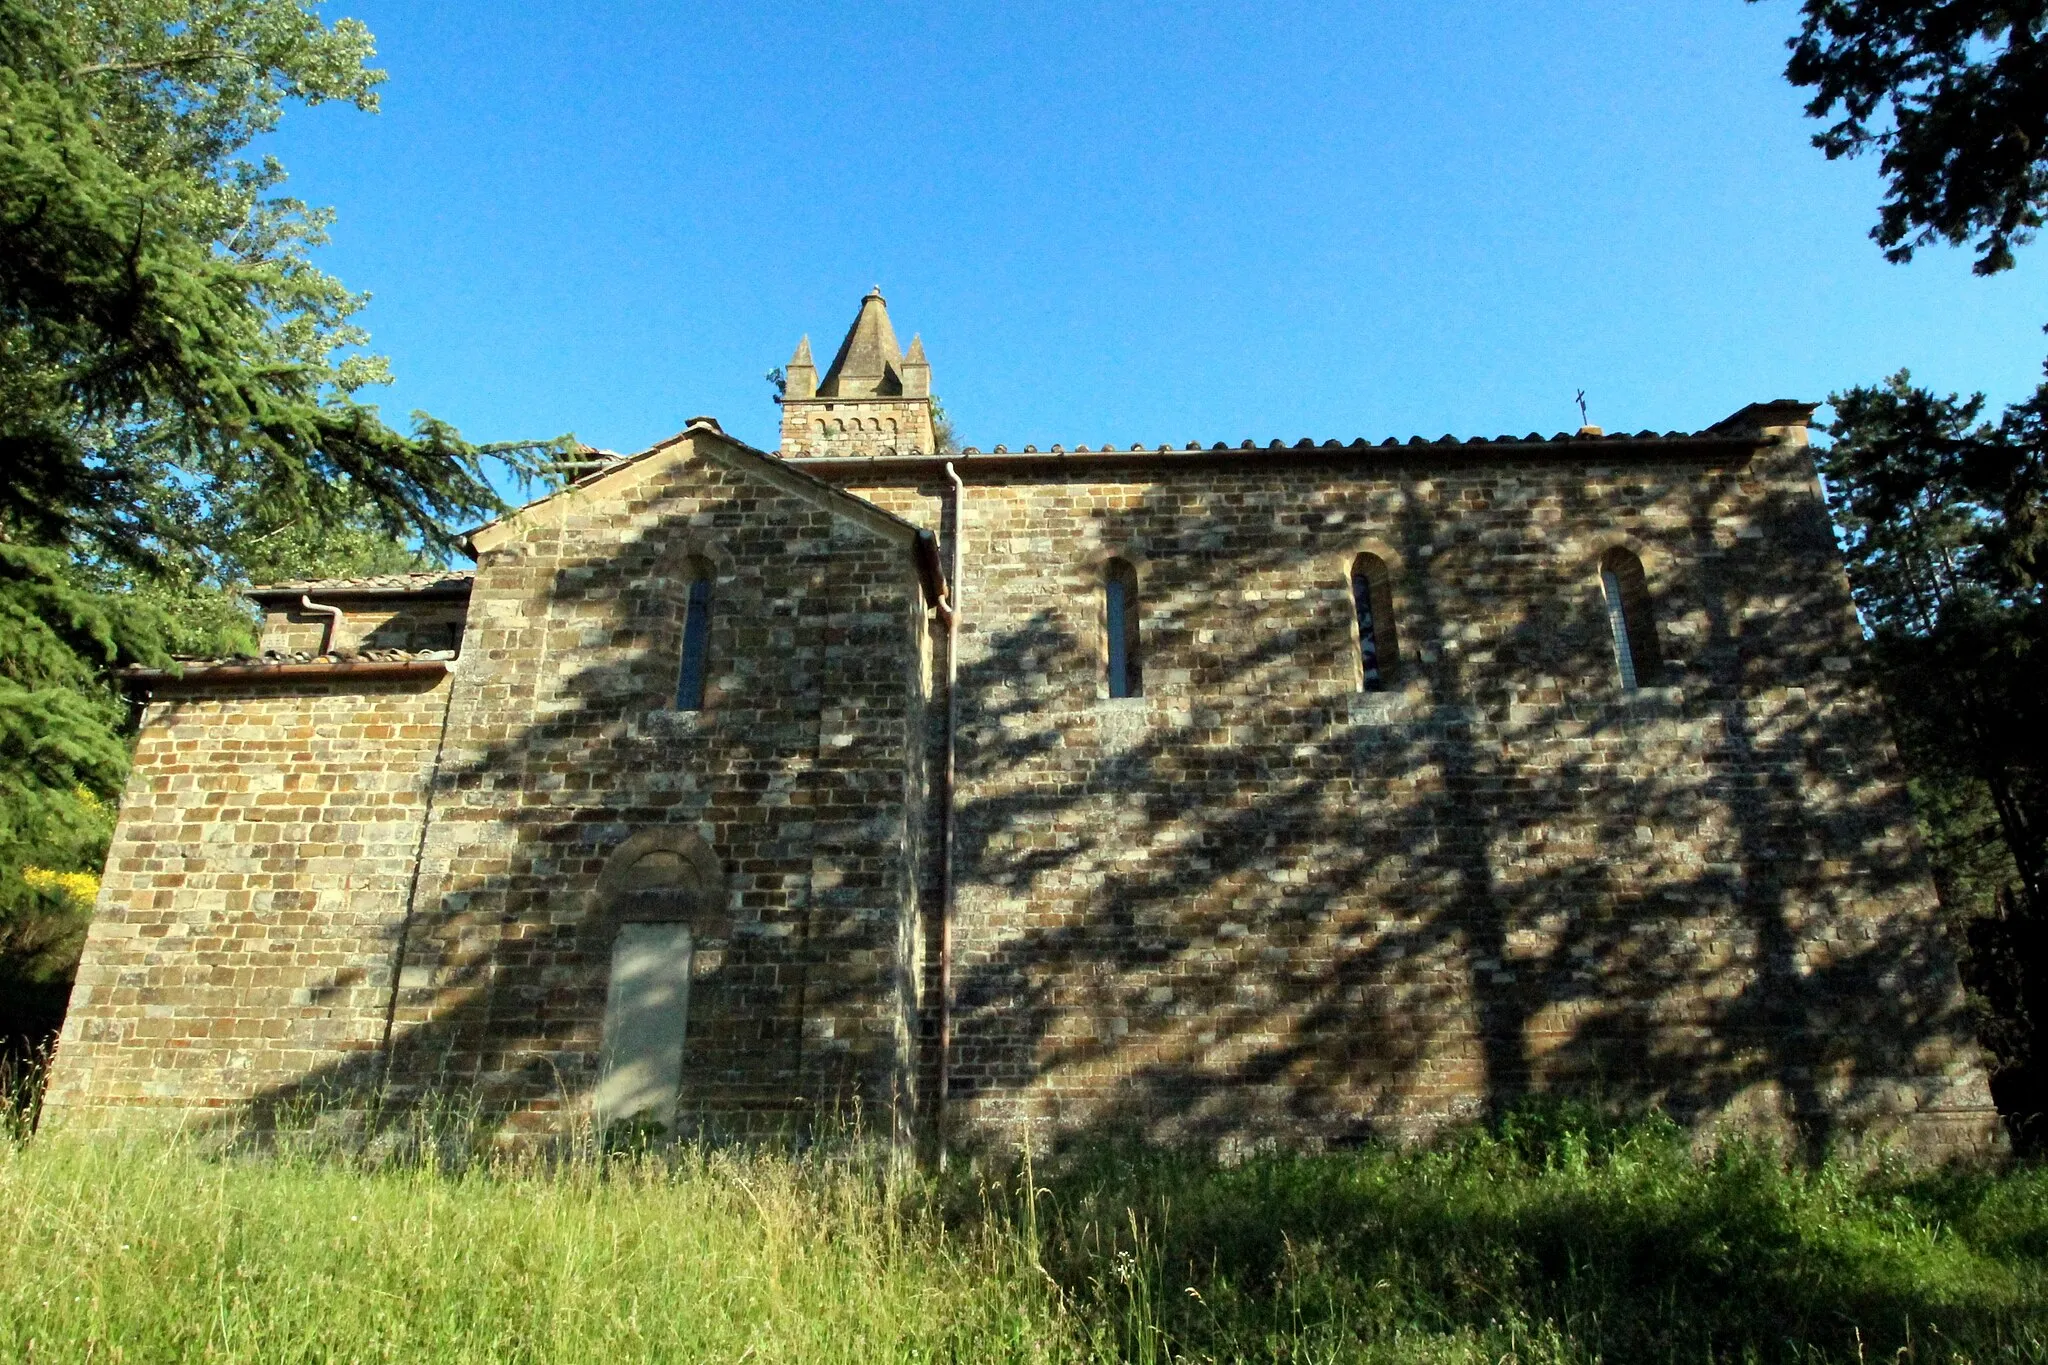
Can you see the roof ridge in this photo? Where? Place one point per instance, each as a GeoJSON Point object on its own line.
{"type": "Point", "coordinates": [1751, 418]}
{"type": "Point", "coordinates": [1356, 443]}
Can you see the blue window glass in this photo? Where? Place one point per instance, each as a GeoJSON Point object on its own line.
{"type": "Point", "coordinates": [1372, 607]}
{"type": "Point", "coordinates": [696, 641]}
{"type": "Point", "coordinates": [1120, 623]}
{"type": "Point", "coordinates": [1368, 635]}
{"type": "Point", "coordinates": [1617, 625]}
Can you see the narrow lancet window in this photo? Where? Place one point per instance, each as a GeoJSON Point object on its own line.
{"type": "Point", "coordinates": [696, 638]}
{"type": "Point", "coordinates": [1372, 602]}
{"type": "Point", "coordinates": [1627, 596]}
{"type": "Point", "coordinates": [1120, 623]}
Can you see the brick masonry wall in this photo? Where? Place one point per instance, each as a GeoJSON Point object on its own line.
{"type": "Point", "coordinates": [1261, 902]}
{"type": "Point", "coordinates": [801, 774]}
{"type": "Point", "coordinates": [255, 899]}
{"type": "Point", "coordinates": [856, 426]}
{"type": "Point", "coordinates": [1255, 902]}
{"type": "Point", "coordinates": [429, 623]}
{"type": "Point", "coordinates": [248, 915]}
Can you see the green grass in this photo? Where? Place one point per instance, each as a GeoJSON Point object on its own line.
{"type": "Point", "coordinates": [154, 1252]}
{"type": "Point", "coordinates": [1541, 1239]}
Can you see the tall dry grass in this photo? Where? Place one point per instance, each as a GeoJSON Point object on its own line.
{"type": "Point", "coordinates": [155, 1250]}
{"type": "Point", "coordinates": [1552, 1236]}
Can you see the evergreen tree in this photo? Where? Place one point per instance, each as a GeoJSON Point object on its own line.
{"type": "Point", "coordinates": [1943, 515]}
{"type": "Point", "coordinates": [181, 395]}
{"type": "Point", "coordinates": [1953, 96]}
{"type": "Point", "coordinates": [1940, 511]}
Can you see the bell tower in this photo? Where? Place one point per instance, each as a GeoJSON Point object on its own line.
{"type": "Point", "coordinates": [874, 399]}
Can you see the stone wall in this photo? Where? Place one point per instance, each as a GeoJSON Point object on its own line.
{"type": "Point", "coordinates": [408, 623]}
{"type": "Point", "coordinates": [249, 912]}
{"type": "Point", "coordinates": [801, 774]}
{"type": "Point", "coordinates": [257, 895]}
{"type": "Point", "coordinates": [1259, 901]}
{"type": "Point", "coordinates": [862, 426]}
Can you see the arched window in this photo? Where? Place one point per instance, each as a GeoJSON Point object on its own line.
{"type": "Point", "coordinates": [1372, 605]}
{"type": "Point", "coordinates": [696, 637]}
{"type": "Point", "coordinates": [1120, 627]}
{"type": "Point", "coordinates": [1627, 595]}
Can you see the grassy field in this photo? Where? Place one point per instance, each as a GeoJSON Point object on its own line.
{"type": "Point", "coordinates": [1539, 1239]}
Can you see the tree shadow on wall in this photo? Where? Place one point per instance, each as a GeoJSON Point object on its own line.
{"type": "Point", "coordinates": [1258, 904]}
{"type": "Point", "coordinates": [1260, 914]}
{"type": "Point", "coordinates": [498, 979]}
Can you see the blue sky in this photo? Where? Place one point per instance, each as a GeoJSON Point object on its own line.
{"type": "Point", "coordinates": [1127, 222]}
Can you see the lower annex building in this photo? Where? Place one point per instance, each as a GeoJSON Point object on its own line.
{"type": "Point", "coordinates": [1228, 793]}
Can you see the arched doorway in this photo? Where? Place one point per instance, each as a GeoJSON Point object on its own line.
{"type": "Point", "coordinates": [654, 893]}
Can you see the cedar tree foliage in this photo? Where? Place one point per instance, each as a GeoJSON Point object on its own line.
{"type": "Point", "coordinates": [1953, 95]}
{"type": "Point", "coordinates": [1944, 519]}
{"type": "Point", "coordinates": [180, 387]}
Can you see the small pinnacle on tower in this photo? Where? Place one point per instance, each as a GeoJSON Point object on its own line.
{"type": "Point", "coordinates": [917, 371]}
{"type": "Point", "coordinates": [800, 376]}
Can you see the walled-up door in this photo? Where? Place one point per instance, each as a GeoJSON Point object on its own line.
{"type": "Point", "coordinates": [646, 1016]}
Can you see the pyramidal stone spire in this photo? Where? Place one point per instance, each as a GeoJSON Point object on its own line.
{"type": "Point", "coordinates": [917, 371]}
{"type": "Point", "coordinates": [869, 363]}
{"type": "Point", "coordinates": [873, 399]}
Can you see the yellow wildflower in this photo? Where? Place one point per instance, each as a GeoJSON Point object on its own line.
{"type": "Point", "coordinates": [80, 888]}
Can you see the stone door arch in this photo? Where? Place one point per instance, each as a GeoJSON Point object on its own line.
{"type": "Point", "coordinates": [659, 899]}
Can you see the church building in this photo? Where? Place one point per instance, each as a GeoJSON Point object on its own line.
{"type": "Point", "coordinates": [1305, 792]}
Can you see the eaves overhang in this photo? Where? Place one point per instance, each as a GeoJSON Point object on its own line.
{"type": "Point", "coordinates": [200, 679]}
{"type": "Point", "coordinates": [853, 467]}
{"type": "Point", "coordinates": [455, 590]}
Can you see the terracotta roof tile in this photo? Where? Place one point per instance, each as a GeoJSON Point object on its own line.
{"type": "Point", "coordinates": [1756, 413]}
{"type": "Point", "coordinates": [439, 582]}
{"type": "Point", "coordinates": [201, 676]}
{"type": "Point", "coordinates": [307, 656]}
